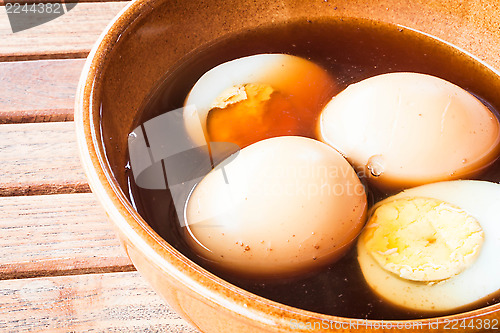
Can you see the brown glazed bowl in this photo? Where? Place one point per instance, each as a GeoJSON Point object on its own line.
{"type": "Point", "coordinates": [140, 45]}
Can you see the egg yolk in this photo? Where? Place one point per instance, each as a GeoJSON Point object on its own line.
{"type": "Point", "coordinates": [250, 113]}
{"type": "Point", "coordinates": [247, 113]}
{"type": "Point", "coordinates": [423, 239]}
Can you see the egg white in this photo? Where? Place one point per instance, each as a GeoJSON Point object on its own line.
{"type": "Point", "coordinates": [479, 199]}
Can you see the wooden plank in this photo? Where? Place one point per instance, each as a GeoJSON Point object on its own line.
{"type": "Point", "coordinates": [40, 158]}
{"type": "Point", "coordinates": [38, 91]}
{"type": "Point", "coordinates": [57, 235]}
{"type": "Point", "coordinates": [112, 302]}
{"type": "Point", "coordinates": [68, 36]}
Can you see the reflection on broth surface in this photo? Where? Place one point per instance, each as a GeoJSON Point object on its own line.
{"type": "Point", "coordinates": [350, 51]}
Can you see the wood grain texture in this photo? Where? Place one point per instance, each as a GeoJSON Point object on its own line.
{"type": "Point", "coordinates": [57, 235]}
{"type": "Point", "coordinates": [38, 91]}
{"type": "Point", "coordinates": [69, 36]}
{"type": "Point", "coordinates": [111, 302]}
{"type": "Point", "coordinates": [40, 158]}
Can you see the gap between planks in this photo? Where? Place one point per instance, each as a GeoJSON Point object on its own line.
{"type": "Point", "coordinates": [110, 302]}
{"type": "Point", "coordinates": [61, 234]}
{"type": "Point", "coordinates": [40, 158]}
{"type": "Point", "coordinates": [71, 35]}
{"type": "Point", "coordinates": [38, 91]}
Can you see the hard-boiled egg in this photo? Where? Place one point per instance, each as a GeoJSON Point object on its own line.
{"type": "Point", "coordinates": [257, 97]}
{"type": "Point", "coordinates": [408, 129]}
{"type": "Point", "coordinates": [283, 206]}
{"type": "Point", "coordinates": [435, 247]}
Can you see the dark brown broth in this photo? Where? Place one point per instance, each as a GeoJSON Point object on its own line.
{"type": "Point", "coordinates": [351, 50]}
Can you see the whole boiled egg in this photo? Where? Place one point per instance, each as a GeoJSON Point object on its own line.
{"type": "Point", "coordinates": [434, 248]}
{"type": "Point", "coordinates": [283, 206]}
{"type": "Point", "coordinates": [257, 97]}
{"type": "Point", "coordinates": [408, 129]}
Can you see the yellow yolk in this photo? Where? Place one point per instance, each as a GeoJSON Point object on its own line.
{"type": "Point", "coordinates": [423, 239]}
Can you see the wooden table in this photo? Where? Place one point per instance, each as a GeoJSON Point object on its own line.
{"type": "Point", "coordinates": [61, 266]}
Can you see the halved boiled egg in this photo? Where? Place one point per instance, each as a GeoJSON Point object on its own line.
{"type": "Point", "coordinates": [409, 129]}
{"type": "Point", "coordinates": [283, 206]}
{"type": "Point", "coordinates": [435, 247]}
{"type": "Point", "coordinates": [257, 97]}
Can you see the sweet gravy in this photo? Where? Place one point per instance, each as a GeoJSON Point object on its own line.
{"type": "Point", "coordinates": [350, 50]}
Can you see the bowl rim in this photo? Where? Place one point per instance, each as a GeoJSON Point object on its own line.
{"type": "Point", "coordinates": [126, 219]}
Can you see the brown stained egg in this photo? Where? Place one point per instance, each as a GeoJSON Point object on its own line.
{"type": "Point", "coordinates": [283, 206]}
{"type": "Point", "coordinates": [408, 129]}
{"type": "Point", "coordinates": [253, 98]}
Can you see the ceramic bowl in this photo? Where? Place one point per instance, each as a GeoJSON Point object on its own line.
{"type": "Point", "coordinates": [146, 39]}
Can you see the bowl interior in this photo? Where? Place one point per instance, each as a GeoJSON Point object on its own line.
{"type": "Point", "coordinates": [151, 37]}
